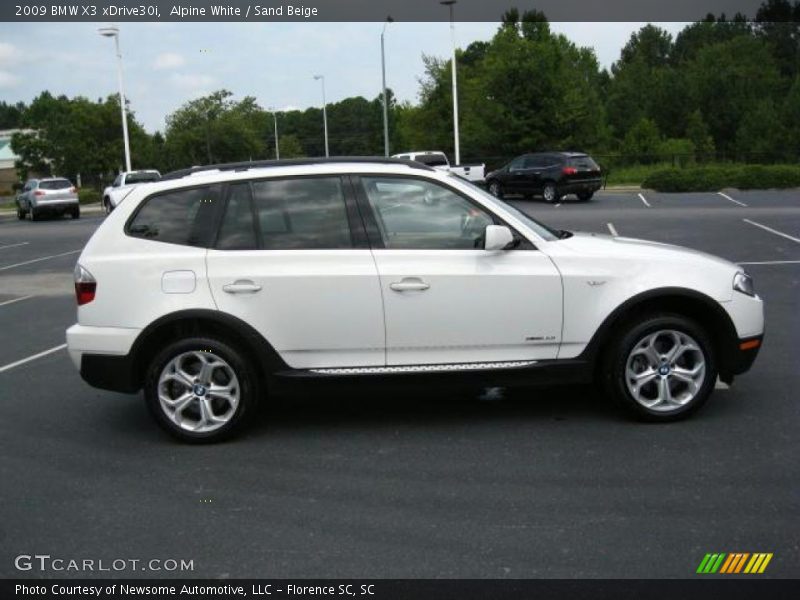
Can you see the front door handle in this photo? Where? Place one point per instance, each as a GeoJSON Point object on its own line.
{"type": "Point", "coordinates": [409, 284]}
{"type": "Point", "coordinates": [241, 286]}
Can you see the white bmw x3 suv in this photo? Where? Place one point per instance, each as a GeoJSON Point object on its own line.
{"type": "Point", "coordinates": [218, 285]}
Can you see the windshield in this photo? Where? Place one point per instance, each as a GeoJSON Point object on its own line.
{"type": "Point", "coordinates": [542, 230]}
{"type": "Point", "coordinates": [142, 177]}
{"type": "Point", "coordinates": [55, 184]}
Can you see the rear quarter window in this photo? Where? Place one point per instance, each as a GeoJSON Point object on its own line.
{"type": "Point", "coordinates": [583, 163]}
{"type": "Point", "coordinates": [187, 217]}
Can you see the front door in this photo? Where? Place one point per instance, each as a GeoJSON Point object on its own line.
{"type": "Point", "coordinates": [446, 299]}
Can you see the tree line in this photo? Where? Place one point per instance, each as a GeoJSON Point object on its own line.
{"type": "Point", "coordinates": [720, 90]}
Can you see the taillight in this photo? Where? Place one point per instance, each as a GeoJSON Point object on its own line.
{"type": "Point", "coordinates": [569, 170]}
{"type": "Point", "coordinates": [38, 193]}
{"type": "Point", "coordinates": [73, 190]}
{"type": "Point", "coordinates": [85, 285]}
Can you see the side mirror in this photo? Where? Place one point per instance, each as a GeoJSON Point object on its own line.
{"type": "Point", "coordinates": [498, 237]}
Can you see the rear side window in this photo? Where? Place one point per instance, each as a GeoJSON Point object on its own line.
{"type": "Point", "coordinates": [238, 231]}
{"type": "Point", "coordinates": [186, 217]}
{"type": "Point", "coordinates": [55, 184]}
{"type": "Point", "coordinates": [303, 213]}
{"type": "Point", "coordinates": [583, 163]}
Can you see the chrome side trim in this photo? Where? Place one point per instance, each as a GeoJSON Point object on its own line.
{"type": "Point", "coordinates": [442, 368]}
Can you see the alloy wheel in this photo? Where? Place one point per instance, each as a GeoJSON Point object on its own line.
{"type": "Point", "coordinates": [198, 391]}
{"type": "Point", "coordinates": [665, 370]}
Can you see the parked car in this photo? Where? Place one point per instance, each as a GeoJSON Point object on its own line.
{"type": "Point", "coordinates": [438, 160]}
{"type": "Point", "coordinates": [124, 183]}
{"type": "Point", "coordinates": [217, 286]}
{"type": "Point", "coordinates": [551, 175]}
{"type": "Point", "coordinates": [48, 196]}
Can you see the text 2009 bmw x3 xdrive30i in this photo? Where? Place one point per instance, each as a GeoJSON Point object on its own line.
{"type": "Point", "coordinates": [216, 285]}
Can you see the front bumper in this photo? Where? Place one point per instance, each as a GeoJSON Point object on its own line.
{"type": "Point", "coordinates": [743, 356]}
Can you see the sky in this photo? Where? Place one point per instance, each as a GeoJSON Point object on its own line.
{"type": "Point", "coordinates": [167, 64]}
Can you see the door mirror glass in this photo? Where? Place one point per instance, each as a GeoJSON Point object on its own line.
{"type": "Point", "coordinates": [498, 237]}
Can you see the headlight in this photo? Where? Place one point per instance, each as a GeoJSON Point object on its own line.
{"type": "Point", "coordinates": [742, 282]}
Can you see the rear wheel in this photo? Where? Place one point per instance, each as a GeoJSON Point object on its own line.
{"type": "Point", "coordinates": [35, 214]}
{"type": "Point", "coordinates": [200, 389]}
{"type": "Point", "coordinates": [661, 368]}
{"type": "Point", "coordinates": [495, 189]}
{"type": "Point", "coordinates": [76, 213]}
{"type": "Point", "coordinates": [585, 196]}
{"type": "Point", "coordinates": [550, 193]}
{"type": "Point", "coordinates": [21, 214]}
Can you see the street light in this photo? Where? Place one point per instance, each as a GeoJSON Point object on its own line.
{"type": "Point", "coordinates": [277, 147]}
{"type": "Point", "coordinates": [324, 111]}
{"type": "Point", "coordinates": [113, 31]}
{"type": "Point", "coordinates": [385, 97]}
{"type": "Point", "coordinates": [450, 3]}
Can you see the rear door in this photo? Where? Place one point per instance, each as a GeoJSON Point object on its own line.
{"type": "Point", "coordinates": [292, 260]}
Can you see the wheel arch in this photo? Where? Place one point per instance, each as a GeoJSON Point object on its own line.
{"type": "Point", "coordinates": [689, 303]}
{"type": "Point", "coordinates": [204, 322]}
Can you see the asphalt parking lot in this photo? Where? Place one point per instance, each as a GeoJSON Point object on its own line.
{"type": "Point", "coordinates": [540, 483]}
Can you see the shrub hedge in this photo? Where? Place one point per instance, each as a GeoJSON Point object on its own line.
{"type": "Point", "coordinates": [88, 195]}
{"type": "Point", "coordinates": [717, 177]}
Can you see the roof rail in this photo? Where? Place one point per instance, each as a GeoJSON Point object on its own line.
{"type": "Point", "coordinates": [294, 162]}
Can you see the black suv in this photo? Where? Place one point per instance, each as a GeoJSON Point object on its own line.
{"type": "Point", "coordinates": [549, 174]}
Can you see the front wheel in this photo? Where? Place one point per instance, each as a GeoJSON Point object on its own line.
{"type": "Point", "coordinates": [661, 368]}
{"type": "Point", "coordinates": [107, 207]}
{"type": "Point", "coordinates": [550, 193]}
{"type": "Point", "coordinates": [200, 389]}
{"type": "Point", "coordinates": [495, 189]}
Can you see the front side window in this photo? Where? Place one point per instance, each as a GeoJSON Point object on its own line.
{"type": "Point", "coordinates": [301, 214]}
{"type": "Point", "coordinates": [415, 214]}
{"type": "Point", "coordinates": [517, 164]}
{"type": "Point", "coordinates": [184, 217]}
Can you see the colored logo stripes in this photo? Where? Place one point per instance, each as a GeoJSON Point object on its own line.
{"type": "Point", "coordinates": [735, 562]}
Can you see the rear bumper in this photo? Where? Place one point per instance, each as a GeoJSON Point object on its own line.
{"type": "Point", "coordinates": [56, 205]}
{"type": "Point", "coordinates": [588, 185]}
{"type": "Point", "coordinates": [108, 372]}
{"type": "Point", "coordinates": [102, 355]}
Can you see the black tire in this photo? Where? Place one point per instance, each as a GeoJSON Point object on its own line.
{"type": "Point", "coordinates": [35, 215]}
{"type": "Point", "coordinates": [21, 214]}
{"type": "Point", "coordinates": [613, 369]}
{"type": "Point", "coordinates": [242, 368]}
{"type": "Point", "coordinates": [75, 213]}
{"type": "Point", "coordinates": [585, 196]}
{"type": "Point", "coordinates": [495, 189]}
{"type": "Point", "coordinates": [107, 207]}
{"type": "Point", "coordinates": [550, 193]}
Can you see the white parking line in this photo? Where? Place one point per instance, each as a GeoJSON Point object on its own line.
{"type": "Point", "coordinates": [30, 358]}
{"type": "Point", "coordinates": [646, 203]}
{"type": "Point", "coordinates": [731, 199]}
{"type": "Point", "coordinates": [771, 230]}
{"type": "Point", "coordinates": [35, 260]}
{"type": "Point", "coordinates": [771, 262]}
{"type": "Point", "coordinates": [14, 245]}
{"type": "Point", "coordinates": [612, 229]}
{"type": "Point", "coordinates": [7, 302]}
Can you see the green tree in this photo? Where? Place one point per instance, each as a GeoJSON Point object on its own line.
{"type": "Point", "coordinates": [761, 134]}
{"type": "Point", "coordinates": [697, 133]}
{"type": "Point", "coordinates": [642, 141]}
{"type": "Point", "coordinates": [290, 147]}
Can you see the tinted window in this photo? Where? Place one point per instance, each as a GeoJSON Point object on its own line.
{"type": "Point", "coordinates": [583, 163]}
{"type": "Point", "coordinates": [532, 162]}
{"type": "Point", "coordinates": [238, 228]}
{"type": "Point", "coordinates": [181, 217]}
{"type": "Point", "coordinates": [418, 214]}
{"type": "Point", "coordinates": [141, 177]}
{"type": "Point", "coordinates": [55, 184]}
{"type": "Point", "coordinates": [432, 160]}
{"type": "Point", "coordinates": [295, 214]}
{"type": "Point", "coordinates": [517, 163]}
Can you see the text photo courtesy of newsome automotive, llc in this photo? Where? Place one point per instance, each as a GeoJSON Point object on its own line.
{"type": "Point", "coordinates": [399, 300]}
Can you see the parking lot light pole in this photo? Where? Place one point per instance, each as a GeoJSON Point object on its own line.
{"type": "Point", "coordinates": [385, 97]}
{"type": "Point", "coordinates": [113, 31]}
{"type": "Point", "coordinates": [324, 112]}
{"type": "Point", "coordinates": [450, 3]}
{"type": "Point", "coordinates": [277, 146]}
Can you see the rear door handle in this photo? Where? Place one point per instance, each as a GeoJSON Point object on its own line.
{"type": "Point", "coordinates": [241, 286]}
{"type": "Point", "coordinates": [409, 284]}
